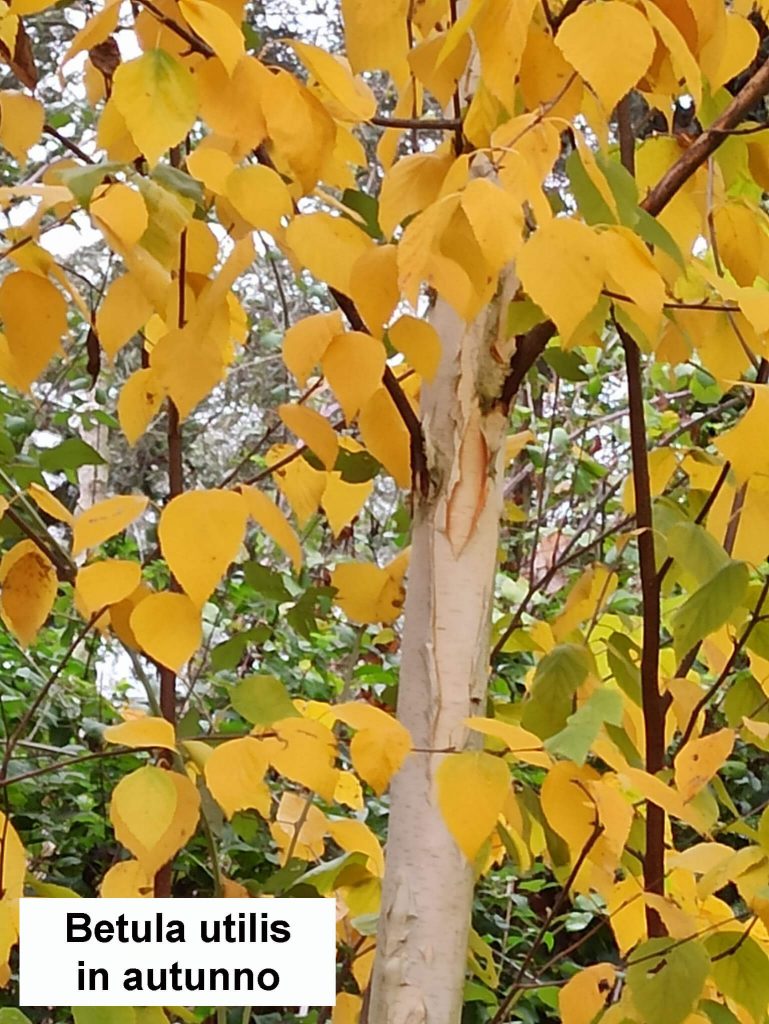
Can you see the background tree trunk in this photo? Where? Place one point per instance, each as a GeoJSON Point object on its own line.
{"type": "Point", "coordinates": [424, 922]}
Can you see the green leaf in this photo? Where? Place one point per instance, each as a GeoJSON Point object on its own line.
{"type": "Point", "coordinates": [591, 203]}
{"type": "Point", "coordinates": [583, 726]}
{"type": "Point", "coordinates": [623, 187]}
{"type": "Point", "coordinates": [70, 454]}
{"type": "Point", "coordinates": [227, 655]}
{"type": "Point", "coordinates": [666, 979]}
{"type": "Point", "coordinates": [568, 365]}
{"type": "Point", "coordinates": [104, 1014]}
{"type": "Point", "coordinates": [717, 1013]}
{"type": "Point", "coordinates": [262, 700]}
{"type": "Point", "coordinates": [740, 968]}
{"type": "Point", "coordinates": [10, 1015]}
{"type": "Point", "coordinates": [356, 467]}
{"type": "Point", "coordinates": [266, 582]}
{"type": "Point", "coordinates": [620, 652]}
{"type": "Point", "coordinates": [650, 229]}
{"type": "Point", "coordinates": [177, 181]}
{"type": "Point", "coordinates": [367, 206]}
{"type": "Point", "coordinates": [522, 315]}
{"type": "Point", "coordinates": [708, 608]}
{"type": "Point", "coordinates": [556, 680]}
{"type": "Point", "coordinates": [81, 181]}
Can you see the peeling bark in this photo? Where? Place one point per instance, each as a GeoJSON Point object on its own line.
{"type": "Point", "coordinates": [424, 923]}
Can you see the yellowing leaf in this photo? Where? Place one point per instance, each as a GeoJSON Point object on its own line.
{"type": "Point", "coordinates": [139, 401]}
{"type": "Point", "coordinates": [34, 316]}
{"type": "Point", "coordinates": [267, 514]}
{"type": "Point", "coordinates": [353, 364]}
{"type": "Point", "coordinates": [120, 212]}
{"type": "Point", "coordinates": [327, 246]}
{"type": "Point", "coordinates": [105, 583]}
{"type": "Point", "coordinates": [314, 429]}
{"type": "Point", "coordinates": [21, 123]}
{"type": "Point", "coordinates": [235, 775]}
{"type": "Point", "coordinates": [623, 31]}
{"type": "Point", "coordinates": [699, 760]}
{"type": "Point", "coordinates": [366, 593]}
{"type": "Point", "coordinates": [145, 731]}
{"type": "Point", "coordinates": [306, 341]}
{"type": "Point", "coordinates": [200, 533]}
{"type": "Point", "coordinates": [104, 519]}
{"type": "Point", "coordinates": [386, 437]}
{"type": "Point", "coordinates": [472, 789]}
{"type": "Point", "coordinates": [380, 744]}
{"type": "Point", "coordinates": [302, 485]}
{"type": "Point", "coordinates": [127, 880]}
{"type": "Point", "coordinates": [519, 741]}
{"type": "Point", "coordinates": [217, 28]}
{"type": "Point", "coordinates": [49, 503]}
{"type": "Point", "coordinates": [167, 628]}
{"type": "Point", "coordinates": [419, 342]}
{"type": "Point", "coordinates": [29, 587]}
{"type": "Point", "coordinates": [157, 97]}
{"type": "Point", "coordinates": [260, 197]}
{"type": "Point", "coordinates": [154, 812]}
{"type": "Point", "coordinates": [585, 995]}
{"type": "Point", "coordinates": [562, 265]}
{"type": "Point", "coordinates": [348, 98]}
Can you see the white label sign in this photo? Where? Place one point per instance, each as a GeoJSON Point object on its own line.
{"type": "Point", "coordinates": [186, 952]}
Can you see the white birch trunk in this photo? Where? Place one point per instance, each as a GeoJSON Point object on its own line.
{"type": "Point", "coordinates": [421, 955]}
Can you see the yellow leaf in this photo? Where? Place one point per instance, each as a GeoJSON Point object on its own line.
{"type": "Point", "coordinates": [374, 285]}
{"type": "Point", "coordinates": [306, 341]}
{"type": "Point", "coordinates": [21, 123]}
{"type": "Point", "coordinates": [105, 583]}
{"type": "Point", "coordinates": [585, 995]}
{"type": "Point", "coordinates": [314, 429]}
{"type": "Point", "coordinates": [304, 751]}
{"type": "Point", "coordinates": [267, 514]}
{"type": "Point", "coordinates": [200, 533]}
{"type": "Point", "coordinates": [13, 859]}
{"type": "Point", "coordinates": [380, 745]}
{"type": "Point", "coordinates": [411, 185]}
{"type": "Point", "coordinates": [496, 218]}
{"type": "Point", "coordinates": [299, 828]}
{"type": "Point", "coordinates": [29, 587]}
{"type": "Point", "coordinates": [96, 29]}
{"type": "Point", "coordinates": [120, 616]}
{"type": "Point", "coordinates": [366, 593]}
{"type": "Point", "coordinates": [440, 77]}
{"type": "Point", "coordinates": [213, 167]}
{"type": "Point", "coordinates": [139, 401]}
{"type": "Point", "coordinates": [217, 28]}
{"type": "Point", "coordinates": [300, 128]}
{"type": "Point", "coordinates": [519, 741]}
{"type": "Point", "coordinates": [472, 789]}
{"type": "Point", "coordinates": [347, 1009]}
{"type": "Point", "coordinates": [743, 445]}
{"type": "Point", "coordinates": [119, 211]}
{"type": "Point", "coordinates": [145, 731]}
{"type": "Point", "coordinates": [104, 519]}
{"type": "Point", "coordinates": [356, 837]}
{"type": "Point", "coordinates": [500, 35]}
{"type": "Point", "coordinates": [631, 270]}
{"type": "Point", "coordinates": [127, 880]}
{"type": "Point", "coordinates": [235, 775]}
{"type": "Point", "coordinates": [260, 197]}
{"type": "Point", "coordinates": [342, 500]}
{"type": "Point", "coordinates": [729, 52]}
{"type": "Point", "coordinates": [302, 485]}
{"type": "Point", "coordinates": [418, 341]}
{"type": "Point", "coordinates": [622, 30]}
{"type": "Point", "coordinates": [167, 628]}
{"type": "Point", "coordinates": [348, 98]}
{"type": "Point", "coordinates": [348, 791]}
{"type": "Point", "coordinates": [154, 812]}
{"type": "Point", "coordinates": [231, 105]}
{"type": "Point", "coordinates": [157, 97]}
{"type": "Point", "coordinates": [562, 265]}
{"type": "Point", "coordinates": [34, 315]}
{"type": "Point", "coordinates": [353, 364]}
{"type": "Point", "coordinates": [699, 760]}
{"type": "Point", "coordinates": [123, 311]}
{"type": "Point", "coordinates": [376, 36]}
{"type": "Point", "coordinates": [685, 66]}
{"type": "Point", "coordinates": [49, 503]}
{"type": "Point", "coordinates": [327, 246]}
{"type": "Point", "coordinates": [386, 437]}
